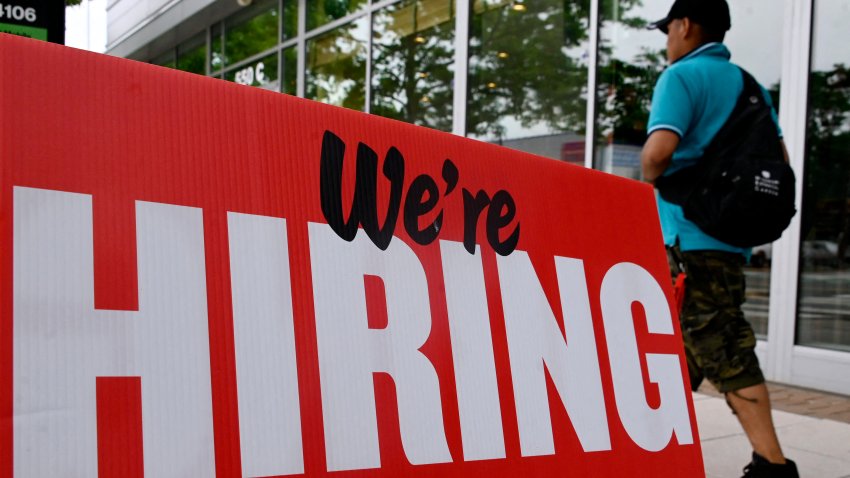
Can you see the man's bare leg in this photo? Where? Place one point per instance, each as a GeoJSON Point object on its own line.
{"type": "Point", "coordinates": [752, 407]}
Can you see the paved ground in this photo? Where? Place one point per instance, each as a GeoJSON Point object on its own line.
{"type": "Point", "coordinates": [813, 427]}
{"type": "Point", "coordinates": [801, 401]}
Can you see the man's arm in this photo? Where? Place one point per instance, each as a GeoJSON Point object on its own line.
{"type": "Point", "coordinates": [657, 153]}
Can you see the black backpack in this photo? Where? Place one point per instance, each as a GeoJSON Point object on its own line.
{"type": "Point", "coordinates": [741, 191]}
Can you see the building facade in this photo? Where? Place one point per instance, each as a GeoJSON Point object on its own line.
{"type": "Point", "coordinates": [567, 79]}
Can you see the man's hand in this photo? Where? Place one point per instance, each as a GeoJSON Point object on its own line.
{"type": "Point", "coordinates": [657, 153]}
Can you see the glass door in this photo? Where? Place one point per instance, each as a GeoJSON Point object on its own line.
{"type": "Point", "coordinates": [824, 286]}
{"type": "Point", "coordinates": [809, 330]}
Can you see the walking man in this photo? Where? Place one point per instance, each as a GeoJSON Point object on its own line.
{"type": "Point", "coordinates": [692, 100]}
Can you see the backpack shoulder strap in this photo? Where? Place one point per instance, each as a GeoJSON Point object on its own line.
{"type": "Point", "coordinates": [677, 187]}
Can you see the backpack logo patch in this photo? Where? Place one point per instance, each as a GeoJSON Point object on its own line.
{"type": "Point", "coordinates": [765, 185]}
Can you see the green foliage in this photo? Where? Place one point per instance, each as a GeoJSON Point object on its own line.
{"type": "Point", "coordinates": [256, 30]}
{"type": "Point", "coordinates": [624, 92]}
{"type": "Point", "coordinates": [412, 67]}
{"type": "Point", "coordinates": [320, 12]}
{"type": "Point", "coordinates": [624, 89]}
{"type": "Point", "coordinates": [531, 64]}
{"type": "Point", "coordinates": [71, 3]}
{"type": "Point", "coordinates": [192, 60]}
{"type": "Point", "coordinates": [827, 187]}
{"type": "Point", "coordinates": [336, 67]}
{"type": "Point", "coordinates": [527, 64]}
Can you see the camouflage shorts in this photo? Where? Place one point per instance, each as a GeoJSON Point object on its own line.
{"type": "Point", "coordinates": [719, 342]}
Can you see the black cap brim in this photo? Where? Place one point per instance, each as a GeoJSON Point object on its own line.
{"type": "Point", "coordinates": [660, 25]}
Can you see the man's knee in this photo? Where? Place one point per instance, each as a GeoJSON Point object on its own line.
{"type": "Point", "coordinates": [738, 395]}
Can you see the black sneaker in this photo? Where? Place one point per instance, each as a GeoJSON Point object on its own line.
{"type": "Point", "coordinates": [761, 468]}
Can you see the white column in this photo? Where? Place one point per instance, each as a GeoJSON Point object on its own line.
{"type": "Point", "coordinates": [462, 13]}
{"type": "Point", "coordinates": [793, 115]}
{"type": "Point", "coordinates": [592, 59]}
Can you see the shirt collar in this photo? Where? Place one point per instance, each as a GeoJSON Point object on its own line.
{"type": "Point", "coordinates": [716, 49]}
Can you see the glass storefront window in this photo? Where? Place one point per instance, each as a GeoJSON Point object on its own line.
{"type": "Point", "coordinates": [192, 55]}
{"type": "Point", "coordinates": [630, 60]}
{"type": "Point", "coordinates": [755, 41]}
{"type": "Point", "coordinates": [167, 59]}
{"type": "Point", "coordinates": [320, 12]}
{"type": "Point", "coordinates": [290, 71]}
{"type": "Point", "coordinates": [251, 31]}
{"type": "Point", "coordinates": [290, 19]}
{"type": "Point", "coordinates": [261, 73]}
{"type": "Point", "coordinates": [528, 75]}
{"type": "Point", "coordinates": [216, 50]}
{"type": "Point", "coordinates": [823, 310]}
{"type": "Point", "coordinates": [413, 62]}
{"type": "Point", "coordinates": [336, 66]}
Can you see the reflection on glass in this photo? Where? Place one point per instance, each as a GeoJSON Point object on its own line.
{"type": "Point", "coordinates": [290, 71]}
{"type": "Point", "coordinates": [251, 31]}
{"type": "Point", "coordinates": [216, 51]}
{"type": "Point", "coordinates": [630, 60]}
{"type": "Point", "coordinates": [166, 59]}
{"type": "Point", "coordinates": [192, 55]}
{"type": "Point", "coordinates": [413, 62]}
{"type": "Point", "coordinates": [320, 12]}
{"type": "Point", "coordinates": [823, 315]}
{"type": "Point", "coordinates": [528, 75]}
{"type": "Point", "coordinates": [336, 66]}
{"type": "Point", "coordinates": [755, 41]}
{"type": "Point", "coordinates": [290, 19]}
{"type": "Point", "coordinates": [262, 73]}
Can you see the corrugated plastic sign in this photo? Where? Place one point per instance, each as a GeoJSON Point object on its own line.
{"type": "Point", "coordinates": [202, 279]}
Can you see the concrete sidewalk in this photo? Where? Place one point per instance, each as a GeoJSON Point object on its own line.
{"type": "Point", "coordinates": [819, 446]}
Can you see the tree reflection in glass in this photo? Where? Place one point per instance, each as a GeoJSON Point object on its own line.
{"type": "Point", "coordinates": [336, 66]}
{"type": "Point", "coordinates": [290, 19]}
{"type": "Point", "coordinates": [167, 59]}
{"type": "Point", "coordinates": [216, 50]}
{"type": "Point", "coordinates": [320, 12]}
{"type": "Point", "coordinates": [251, 31]}
{"type": "Point", "coordinates": [192, 55]}
{"type": "Point", "coordinates": [290, 71]}
{"type": "Point", "coordinates": [824, 284]}
{"type": "Point", "coordinates": [528, 71]}
{"type": "Point", "coordinates": [628, 68]}
{"type": "Point", "coordinates": [413, 62]}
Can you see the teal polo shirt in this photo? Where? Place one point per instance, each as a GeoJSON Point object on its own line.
{"type": "Point", "coordinates": [693, 98]}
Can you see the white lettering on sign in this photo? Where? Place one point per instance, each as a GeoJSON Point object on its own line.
{"type": "Point", "coordinates": [267, 375]}
{"type": "Point", "coordinates": [472, 351]}
{"type": "Point", "coordinates": [62, 344]}
{"type": "Point", "coordinates": [17, 12]}
{"type": "Point", "coordinates": [535, 341]}
{"type": "Point", "coordinates": [652, 429]}
{"type": "Point", "coordinates": [350, 352]}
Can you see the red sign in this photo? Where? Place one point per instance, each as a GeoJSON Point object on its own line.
{"type": "Point", "coordinates": [205, 279]}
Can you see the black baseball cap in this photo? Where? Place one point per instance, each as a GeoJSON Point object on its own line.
{"type": "Point", "coordinates": [710, 14]}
